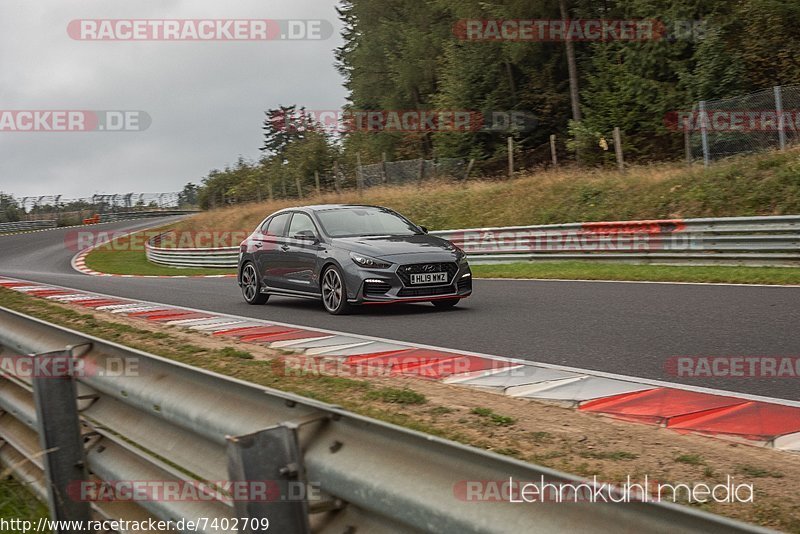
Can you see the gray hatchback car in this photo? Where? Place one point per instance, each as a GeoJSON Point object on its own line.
{"type": "Point", "coordinates": [350, 255]}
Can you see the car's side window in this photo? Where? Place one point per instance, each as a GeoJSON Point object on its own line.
{"type": "Point", "coordinates": [302, 224]}
{"type": "Point", "coordinates": [276, 227]}
{"type": "Point", "coordinates": [265, 226]}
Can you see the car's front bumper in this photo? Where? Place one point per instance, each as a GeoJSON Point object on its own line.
{"type": "Point", "coordinates": [388, 286]}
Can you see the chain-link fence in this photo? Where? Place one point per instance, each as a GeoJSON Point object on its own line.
{"type": "Point", "coordinates": [409, 171]}
{"type": "Point", "coordinates": [764, 120]}
{"type": "Point", "coordinates": [125, 201]}
{"type": "Point", "coordinates": [68, 211]}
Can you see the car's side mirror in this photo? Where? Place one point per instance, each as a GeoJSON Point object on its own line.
{"type": "Point", "coordinates": [424, 229]}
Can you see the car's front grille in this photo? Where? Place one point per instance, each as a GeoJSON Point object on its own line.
{"type": "Point", "coordinates": [425, 291]}
{"type": "Point", "coordinates": [376, 288]}
{"type": "Point", "coordinates": [405, 271]}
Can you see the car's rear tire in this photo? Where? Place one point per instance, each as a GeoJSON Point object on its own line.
{"type": "Point", "coordinates": [445, 304]}
{"type": "Point", "coordinates": [334, 292]}
{"type": "Point", "coordinates": [251, 286]}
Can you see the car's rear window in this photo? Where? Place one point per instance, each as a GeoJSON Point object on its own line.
{"type": "Point", "coordinates": [353, 222]}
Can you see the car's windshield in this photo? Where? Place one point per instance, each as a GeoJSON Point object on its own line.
{"type": "Point", "coordinates": [352, 222]}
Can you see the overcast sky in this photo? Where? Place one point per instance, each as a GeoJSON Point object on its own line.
{"type": "Point", "coordinates": [206, 99]}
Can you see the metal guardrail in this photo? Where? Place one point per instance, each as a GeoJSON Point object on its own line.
{"type": "Point", "coordinates": [223, 258]}
{"type": "Point", "coordinates": [131, 215]}
{"type": "Point", "coordinates": [732, 240]}
{"type": "Point", "coordinates": [24, 226]}
{"type": "Point", "coordinates": [175, 423]}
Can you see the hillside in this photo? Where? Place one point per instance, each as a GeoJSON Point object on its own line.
{"type": "Point", "coordinates": [764, 184]}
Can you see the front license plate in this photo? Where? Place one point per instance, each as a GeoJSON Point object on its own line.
{"type": "Point", "coordinates": [429, 278]}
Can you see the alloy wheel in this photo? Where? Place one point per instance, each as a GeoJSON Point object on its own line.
{"type": "Point", "coordinates": [332, 290]}
{"type": "Point", "coordinates": [251, 288]}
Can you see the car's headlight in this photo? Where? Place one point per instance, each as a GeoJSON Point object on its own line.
{"type": "Point", "coordinates": [461, 256]}
{"type": "Point", "coordinates": [368, 263]}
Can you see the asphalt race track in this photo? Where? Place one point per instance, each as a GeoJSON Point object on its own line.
{"type": "Point", "coordinates": [624, 328]}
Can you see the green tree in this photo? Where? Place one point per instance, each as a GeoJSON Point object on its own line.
{"type": "Point", "coordinates": [282, 126]}
{"type": "Point", "coordinates": [188, 196]}
{"type": "Point", "coordinates": [9, 210]}
{"type": "Point", "coordinates": [312, 154]}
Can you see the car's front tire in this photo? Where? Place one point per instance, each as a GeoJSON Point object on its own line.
{"type": "Point", "coordinates": [445, 304]}
{"type": "Point", "coordinates": [334, 292]}
{"type": "Point", "coordinates": [251, 286]}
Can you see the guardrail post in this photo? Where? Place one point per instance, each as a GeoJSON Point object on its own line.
{"type": "Point", "coordinates": [60, 437]}
{"type": "Point", "coordinates": [271, 456]}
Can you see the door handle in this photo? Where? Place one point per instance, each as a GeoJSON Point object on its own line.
{"type": "Point", "coordinates": [284, 247]}
{"type": "Point", "coordinates": [258, 245]}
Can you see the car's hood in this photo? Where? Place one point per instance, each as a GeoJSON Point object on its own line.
{"type": "Point", "coordinates": [385, 246]}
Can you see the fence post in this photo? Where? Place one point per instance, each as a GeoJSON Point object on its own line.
{"type": "Point", "coordinates": [618, 149]}
{"type": "Point", "coordinates": [60, 439]}
{"type": "Point", "coordinates": [553, 151]}
{"type": "Point", "coordinates": [359, 174]}
{"type": "Point", "coordinates": [316, 181]}
{"type": "Point", "coordinates": [687, 142]}
{"type": "Point", "coordinates": [299, 186]}
{"type": "Point", "coordinates": [704, 133]}
{"type": "Point", "coordinates": [781, 121]}
{"type": "Point", "coordinates": [336, 177]}
{"type": "Point", "coordinates": [383, 168]}
{"type": "Point", "coordinates": [269, 189]}
{"type": "Point", "coordinates": [469, 168]}
{"type": "Point", "coordinates": [421, 171]}
{"type": "Point", "coordinates": [510, 157]}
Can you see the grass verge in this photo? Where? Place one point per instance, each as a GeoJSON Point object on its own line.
{"type": "Point", "coordinates": [762, 184]}
{"type": "Point", "coordinates": [126, 255]}
{"type": "Point", "coordinates": [551, 436]}
{"type": "Point", "coordinates": [575, 270]}
{"type": "Point", "coordinates": [17, 501]}
{"type": "Point", "coordinates": [117, 260]}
